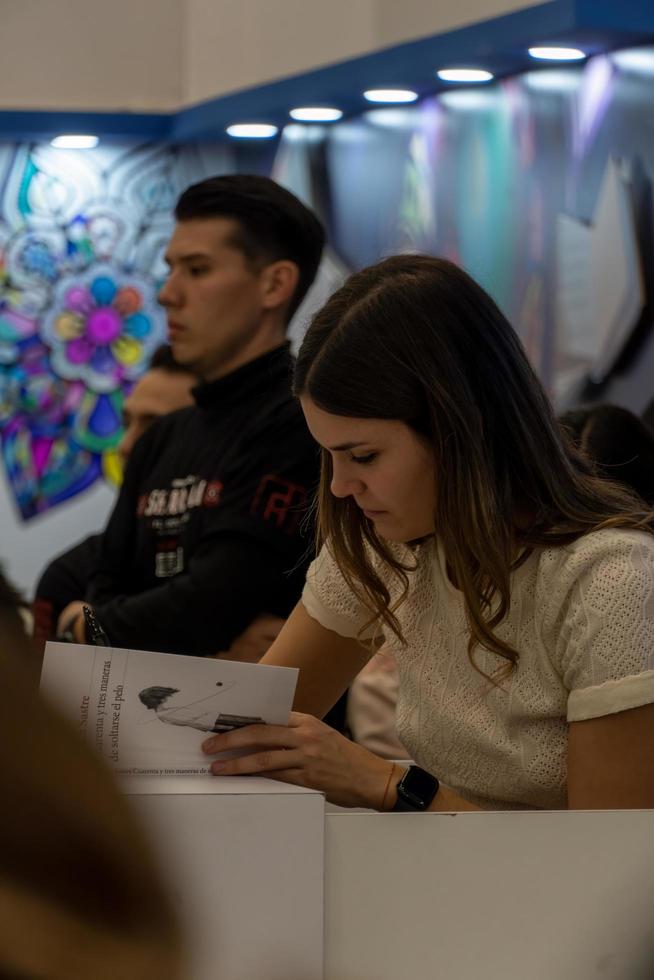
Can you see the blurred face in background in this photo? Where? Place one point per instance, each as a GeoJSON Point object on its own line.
{"type": "Point", "coordinates": [156, 393]}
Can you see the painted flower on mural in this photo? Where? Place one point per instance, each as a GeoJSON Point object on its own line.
{"type": "Point", "coordinates": [44, 460]}
{"type": "Point", "coordinates": [102, 328]}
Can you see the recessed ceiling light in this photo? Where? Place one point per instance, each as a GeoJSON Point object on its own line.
{"type": "Point", "coordinates": [390, 95]}
{"type": "Point", "coordinates": [72, 141]}
{"type": "Point", "coordinates": [315, 114]}
{"type": "Point", "coordinates": [464, 75]}
{"type": "Point", "coordinates": [252, 131]}
{"type": "Point", "coordinates": [557, 54]}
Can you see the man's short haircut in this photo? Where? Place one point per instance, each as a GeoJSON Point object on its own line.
{"type": "Point", "coordinates": [162, 360]}
{"type": "Point", "coordinates": [273, 223]}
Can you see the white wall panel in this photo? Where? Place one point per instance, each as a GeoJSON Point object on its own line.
{"type": "Point", "coordinates": [411, 19]}
{"type": "Point", "coordinates": [163, 54]}
{"type": "Point", "coordinates": [89, 54]}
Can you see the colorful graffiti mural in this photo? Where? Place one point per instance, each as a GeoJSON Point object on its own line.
{"type": "Point", "coordinates": [81, 240]}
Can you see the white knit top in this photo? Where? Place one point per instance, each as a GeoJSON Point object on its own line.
{"type": "Point", "coordinates": [581, 618]}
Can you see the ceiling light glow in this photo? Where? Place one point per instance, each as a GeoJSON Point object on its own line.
{"type": "Point", "coordinates": [74, 141]}
{"type": "Point", "coordinates": [391, 118]}
{"type": "Point", "coordinates": [315, 114]}
{"type": "Point", "coordinates": [469, 100]}
{"type": "Point", "coordinates": [556, 54]}
{"type": "Point", "coordinates": [464, 75]}
{"type": "Point", "coordinates": [252, 131]}
{"type": "Point", "coordinates": [294, 133]}
{"type": "Point", "coordinates": [556, 80]}
{"type": "Point", "coordinates": [639, 60]}
{"type": "Point", "coordinates": [390, 95]}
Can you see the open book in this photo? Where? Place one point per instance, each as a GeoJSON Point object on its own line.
{"type": "Point", "coordinates": [148, 713]}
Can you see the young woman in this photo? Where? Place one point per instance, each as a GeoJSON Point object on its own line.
{"type": "Point", "coordinates": [514, 587]}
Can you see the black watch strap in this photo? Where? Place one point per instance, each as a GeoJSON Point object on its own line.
{"type": "Point", "coordinates": [415, 791]}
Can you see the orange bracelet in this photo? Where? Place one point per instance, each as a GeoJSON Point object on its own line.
{"type": "Point", "coordinates": [388, 783]}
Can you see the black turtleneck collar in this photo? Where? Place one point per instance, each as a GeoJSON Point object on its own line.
{"type": "Point", "coordinates": [247, 380]}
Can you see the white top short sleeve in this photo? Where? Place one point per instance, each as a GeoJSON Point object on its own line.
{"type": "Point", "coordinates": [329, 600]}
{"type": "Point", "coordinates": [582, 620]}
{"type": "Point", "coordinates": [600, 621]}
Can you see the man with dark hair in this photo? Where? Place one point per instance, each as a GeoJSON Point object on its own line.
{"type": "Point", "coordinates": [163, 388]}
{"type": "Point", "coordinates": [207, 532]}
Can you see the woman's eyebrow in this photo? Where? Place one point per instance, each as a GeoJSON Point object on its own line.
{"type": "Point", "coordinates": [345, 446]}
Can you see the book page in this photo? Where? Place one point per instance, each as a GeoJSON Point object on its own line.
{"type": "Point", "coordinates": [148, 713]}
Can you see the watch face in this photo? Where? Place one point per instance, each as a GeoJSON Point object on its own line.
{"type": "Point", "coordinates": [418, 787]}
{"type": "Point", "coordinates": [416, 801]}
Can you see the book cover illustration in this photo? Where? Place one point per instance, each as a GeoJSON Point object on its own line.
{"type": "Point", "coordinates": [148, 713]}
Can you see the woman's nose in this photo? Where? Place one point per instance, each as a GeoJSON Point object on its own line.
{"type": "Point", "coordinates": [345, 485]}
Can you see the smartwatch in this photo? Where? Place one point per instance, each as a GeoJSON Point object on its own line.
{"type": "Point", "coordinates": [415, 791]}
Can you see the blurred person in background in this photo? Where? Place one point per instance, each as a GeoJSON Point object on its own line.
{"type": "Point", "coordinates": [80, 894]}
{"type": "Point", "coordinates": [648, 416]}
{"type": "Point", "coordinates": [372, 707]}
{"type": "Point", "coordinates": [163, 388]}
{"type": "Point", "coordinates": [618, 442]}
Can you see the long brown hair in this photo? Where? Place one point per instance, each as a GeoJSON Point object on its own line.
{"type": "Point", "coordinates": [415, 339]}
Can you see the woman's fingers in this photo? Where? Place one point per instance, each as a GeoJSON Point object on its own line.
{"type": "Point", "coordinates": [248, 736]}
{"type": "Point", "coordinates": [306, 752]}
{"type": "Point", "coordinates": [296, 719]}
{"type": "Point", "coordinates": [283, 736]}
{"type": "Point", "coordinates": [277, 761]}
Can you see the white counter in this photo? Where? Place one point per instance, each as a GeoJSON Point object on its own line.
{"type": "Point", "coordinates": [256, 866]}
{"type": "Point", "coordinates": [498, 896]}
{"type": "Point", "coordinates": [244, 864]}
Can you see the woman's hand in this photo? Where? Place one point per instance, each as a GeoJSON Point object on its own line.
{"type": "Point", "coordinates": [308, 753]}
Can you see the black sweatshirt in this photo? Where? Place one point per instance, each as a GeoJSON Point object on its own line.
{"type": "Point", "coordinates": [209, 529]}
